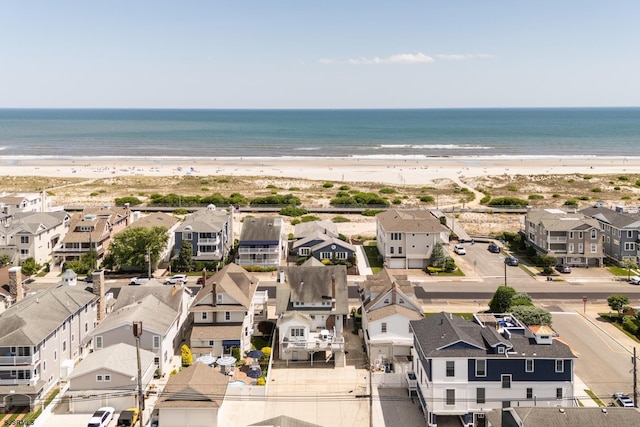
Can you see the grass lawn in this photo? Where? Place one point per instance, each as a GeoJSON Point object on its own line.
{"type": "Point", "coordinates": [613, 320]}
{"type": "Point", "coordinates": [619, 271]}
{"type": "Point", "coordinates": [466, 316]}
{"type": "Point", "coordinates": [375, 262]}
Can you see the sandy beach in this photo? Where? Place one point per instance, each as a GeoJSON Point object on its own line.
{"type": "Point", "coordinates": [389, 171]}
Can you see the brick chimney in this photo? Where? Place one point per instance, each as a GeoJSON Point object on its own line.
{"type": "Point", "coordinates": [214, 293]}
{"type": "Point", "coordinates": [15, 283]}
{"type": "Point", "coordinates": [333, 291]}
{"type": "Point", "coordinates": [98, 290]}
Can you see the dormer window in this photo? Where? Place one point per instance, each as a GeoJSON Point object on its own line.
{"type": "Point", "coordinates": [501, 350]}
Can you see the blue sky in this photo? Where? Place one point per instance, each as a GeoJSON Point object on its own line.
{"type": "Point", "coordinates": [322, 54]}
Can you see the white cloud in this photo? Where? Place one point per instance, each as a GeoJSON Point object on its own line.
{"type": "Point", "coordinates": [457, 57]}
{"type": "Point", "coordinates": [406, 58]}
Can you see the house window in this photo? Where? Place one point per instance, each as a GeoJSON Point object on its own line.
{"type": "Point", "coordinates": [204, 315]}
{"type": "Point", "coordinates": [451, 396]}
{"type": "Point", "coordinates": [481, 368]}
{"type": "Point", "coordinates": [571, 248]}
{"type": "Point", "coordinates": [391, 249]}
{"type": "Point", "coordinates": [325, 255]}
{"type": "Point", "coordinates": [55, 355]}
{"type": "Point", "coordinates": [227, 315]}
{"type": "Point", "coordinates": [399, 250]}
{"type": "Point", "coordinates": [107, 377]}
{"type": "Point", "coordinates": [98, 342]}
{"type": "Point", "coordinates": [24, 239]}
{"type": "Point", "coordinates": [501, 350]}
{"type": "Point", "coordinates": [594, 248]}
{"type": "Point", "coordinates": [529, 393]}
{"type": "Point", "coordinates": [506, 380]}
{"type": "Point", "coordinates": [304, 251]}
{"type": "Point", "coordinates": [571, 234]}
{"type": "Point", "coordinates": [396, 236]}
{"type": "Point", "coordinates": [187, 235]}
{"type": "Point", "coordinates": [481, 395]}
{"type": "Point", "coordinates": [341, 255]}
{"type": "Point", "coordinates": [559, 366]}
{"type": "Point", "coordinates": [73, 337]}
{"type": "Point", "coordinates": [297, 332]}
{"type": "Point", "coordinates": [156, 341]}
{"type": "Point", "coordinates": [629, 234]}
{"type": "Point", "coordinates": [98, 377]}
{"type": "Point", "coordinates": [593, 234]}
{"type": "Point", "coordinates": [559, 393]}
{"type": "Point", "coordinates": [383, 327]}
{"type": "Point", "coordinates": [86, 326]}
{"type": "Point", "coordinates": [629, 246]}
{"type": "Point", "coordinates": [64, 345]}
{"type": "Point", "coordinates": [580, 248]}
{"type": "Point", "coordinates": [528, 365]}
{"type": "Point", "coordinates": [219, 298]}
{"type": "Point", "coordinates": [211, 343]}
{"type": "Point", "coordinates": [156, 361]}
{"type": "Point", "coordinates": [451, 368]}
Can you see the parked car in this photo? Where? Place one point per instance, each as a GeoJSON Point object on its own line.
{"type": "Point", "coordinates": [634, 280]}
{"type": "Point", "coordinates": [128, 417]}
{"type": "Point", "coordinates": [623, 400]}
{"type": "Point", "coordinates": [460, 250]}
{"type": "Point", "coordinates": [178, 278]}
{"type": "Point", "coordinates": [101, 417]}
{"type": "Point", "coordinates": [138, 281]}
{"type": "Point", "coordinates": [200, 281]}
{"type": "Point", "coordinates": [512, 261]}
{"type": "Point", "coordinates": [563, 268]}
{"type": "Point", "coordinates": [494, 248]}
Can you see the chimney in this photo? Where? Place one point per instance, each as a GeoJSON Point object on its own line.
{"type": "Point", "coordinates": [281, 277]}
{"type": "Point", "coordinates": [15, 283]}
{"type": "Point", "coordinates": [394, 294]}
{"type": "Point", "coordinates": [214, 293]}
{"type": "Point", "coordinates": [98, 290]}
{"type": "Point", "coordinates": [204, 276]}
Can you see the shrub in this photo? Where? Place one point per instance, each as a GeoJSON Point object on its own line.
{"type": "Point", "coordinates": [536, 197]}
{"type": "Point", "coordinates": [508, 201]}
{"type": "Point", "coordinates": [371, 212]}
{"type": "Point", "coordinates": [180, 211]}
{"type": "Point", "coordinates": [327, 185]}
{"type": "Point", "coordinates": [583, 198]}
{"type": "Point", "coordinates": [310, 218]}
{"type": "Point", "coordinates": [93, 194]}
{"type": "Point", "coordinates": [338, 218]}
{"type": "Point", "coordinates": [638, 183]}
{"type": "Point", "coordinates": [292, 211]}
{"type": "Point", "coordinates": [616, 188]}
{"type": "Point", "coordinates": [223, 180]}
{"type": "Point", "coordinates": [571, 180]}
{"type": "Point", "coordinates": [596, 190]}
{"type": "Point", "coordinates": [427, 199]}
{"type": "Point", "coordinates": [623, 178]}
{"type": "Point", "coordinates": [512, 188]}
{"type": "Point", "coordinates": [261, 381]}
{"type": "Point", "coordinates": [277, 199]}
{"type": "Point", "coordinates": [630, 325]}
{"type": "Point", "coordinates": [555, 195]}
{"type": "Point", "coordinates": [571, 202]}
{"type": "Point", "coordinates": [626, 197]}
{"type": "Point", "coordinates": [344, 188]}
{"type": "Point", "coordinates": [387, 190]}
{"type": "Point", "coordinates": [359, 199]}
{"type": "Point", "coordinates": [187, 356]}
{"type": "Point", "coordinates": [133, 201]}
{"type": "Point", "coordinates": [204, 189]}
{"type": "Point", "coordinates": [587, 177]}
{"type": "Point", "coordinates": [271, 186]}
{"type": "Point", "coordinates": [294, 189]}
{"type": "Point", "coordinates": [266, 351]}
{"type": "Point", "coordinates": [397, 201]}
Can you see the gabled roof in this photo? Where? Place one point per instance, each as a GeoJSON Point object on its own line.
{"type": "Point", "coordinates": [31, 320]}
{"type": "Point", "coordinates": [205, 220]}
{"type": "Point", "coordinates": [157, 306]}
{"type": "Point", "coordinates": [312, 237]}
{"type": "Point", "coordinates": [313, 262]}
{"type": "Point", "coordinates": [261, 230]}
{"type": "Point", "coordinates": [312, 284]}
{"type": "Point", "coordinates": [297, 316]}
{"type": "Point", "coordinates": [232, 280]}
{"type": "Point", "coordinates": [198, 386]}
{"type": "Point", "coordinates": [409, 221]}
{"type": "Point", "coordinates": [333, 242]}
{"type": "Point", "coordinates": [156, 219]}
{"type": "Point", "coordinates": [120, 358]}
{"type": "Point", "coordinates": [567, 417]}
{"type": "Point", "coordinates": [378, 283]}
{"type": "Point", "coordinates": [558, 220]}
{"type": "Point", "coordinates": [391, 310]}
{"type": "Point", "coordinates": [619, 220]}
{"type": "Point", "coordinates": [35, 222]}
{"type": "Point", "coordinates": [305, 229]}
{"type": "Point", "coordinates": [284, 421]}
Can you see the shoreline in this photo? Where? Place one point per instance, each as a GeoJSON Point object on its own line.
{"type": "Point", "coordinates": [399, 171]}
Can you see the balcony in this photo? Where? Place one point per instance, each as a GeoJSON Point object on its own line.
{"type": "Point", "coordinates": [260, 297]}
{"type": "Point", "coordinates": [208, 241]}
{"type": "Point", "coordinates": [258, 251]}
{"type": "Point", "coordinates": [316, 342]}
{"type": "Point", "coordinates": [20, 381]}
{"type": "Point", "coordinates": [557, 239]}
{"type": "Point", "coordinates": [20, 360]}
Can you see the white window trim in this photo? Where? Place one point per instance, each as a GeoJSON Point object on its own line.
{"type": "Point", "coordinates": [526, 366]}
{"type": "Point", "coordinates": [559, 363]}
{"type": "Point", "coordinates": [485, 368]}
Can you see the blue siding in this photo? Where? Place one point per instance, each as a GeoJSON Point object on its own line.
{"type": "Point", "coordinates": [543, 370]}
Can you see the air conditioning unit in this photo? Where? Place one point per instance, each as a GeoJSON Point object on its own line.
{"type": "Point", "coordinates": [250, 331]}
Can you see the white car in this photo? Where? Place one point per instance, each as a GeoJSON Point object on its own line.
{"type": "Point", "coordinates": [460, 250]}
{"type": "Point", "coordinates": [623, 400]}
{"type": "Point", "coordinates": [178, 278]}
{"type": "Point", "coordinates": [634, 280]}
{"type": "Point", "coordinates": [101, 417]}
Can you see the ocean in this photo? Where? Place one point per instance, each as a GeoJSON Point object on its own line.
{"type": "Point", "coordinates": [149, 133]}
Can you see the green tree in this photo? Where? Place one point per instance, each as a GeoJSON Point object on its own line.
{"type": "Point", "coordinates": [131, 247]}
{"type": "Point", "coordinates": [501, 301]}
{"type": "Point", "coordinates": [437, 256]}
{"type": "Point", "coordinates": [530, 315]}
{"type": "Point", "coordinates": [617, 302]}
{"type": "Point", "coordinates": [185, 257]}
{"type": "Point", "coordinates": [187, 356]}
{"type": "Point", "coordinates": [629, 264]}
{"type": "Point", "coordinates": [521, 298]}
{"type": "Point", "coordinates": [30, 267]}
{"type": "Point", "coordinates": [4, 260]}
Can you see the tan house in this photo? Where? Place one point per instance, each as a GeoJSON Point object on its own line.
{"type": "Point", "coordinates": [572, 238]}
{"type": "Point", "coordinates": [405, 238]}
{"type": "Point", "coordinates": [192, 397]}
{"type": "Point", "coordinates": [224, 312]}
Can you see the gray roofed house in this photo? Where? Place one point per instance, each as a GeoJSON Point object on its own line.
{"type": "Point", "coordinates": [163, 311]}
{"type": "Point", "coordinates": [495, 357]}
{"type": "Point", "coordinates": [210, 232]}
{"type": "Point", "coordinates": [262, 242]}
{"type": "Point", "coordinates": [305, 229]}
{"type": "Point", "coordinates": [571, 237]}
{"type": "Point", "coordinates": [312, 306]}
{"type": "Point", "coordinates": [620, 230]}
{"type": "Point", "coordinates": [192, 396]}
{"type": "Point", "coordinates": [49, 329]}
{"type": "Point", "coordinates": [224, 312]}
{"type": "Point", "coordinates": [405, 238]}
{"type": "Point", "coordinates": [563, 417]}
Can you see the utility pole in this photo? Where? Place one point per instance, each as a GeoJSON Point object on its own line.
{"type": "Point", "coordinates": [137, 331]}
{"type": "Point", "coordinates": [370, 388]}
{"type": "Point", "coordinates": [505, 272]}
{"type": "Point", "coordinates": [635, 379]}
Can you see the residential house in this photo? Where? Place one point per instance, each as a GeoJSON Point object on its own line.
{"type": "Point", "coordinates": [388, 305]}
{"type": "Point", "coordinates": [158, 219]}
{"type": "Point", "coordinates": [572, 238]}
{"type": "Point", "coordinates": [33, 235]}
{"type": "Point", "coordinates": [210, 232]}
{"type": "Point", "coordinates": [93, 229]}
{"type": "Point", "coordinates": [224, 312]}
{"type": "Point", "coordinates": [322, 247]}
{"type": "Point", "coordinates": [163, 311]}
{"type": "Point", "coordinates": [312, 307]}
{"type": "Point", "coordinates": [620, 232]}
{"type": "Point", "coordinates": [10, 204]}
{"type": "Point", "coordinates": [262, 242]}
{"type": "Point", "coordinates": [110, 374]}
{"type": "Point", "coordinates": [42, 337]}
{"type": "Point", "coordinates": [192, 397]}
{"type": "Point", "coordinates": [405, 238]}
{"type": "Point", "coordinates": [466, 368]}
{"type": "Point", "coordinates": [561, 417]}
{"type": "Point", "coordinates": [284, 421]}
